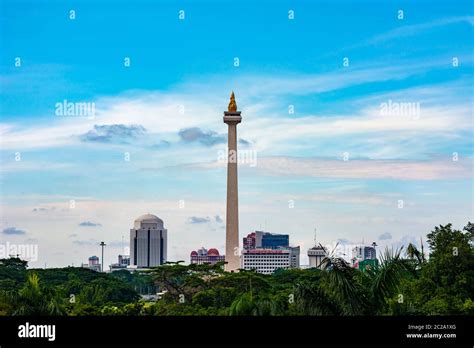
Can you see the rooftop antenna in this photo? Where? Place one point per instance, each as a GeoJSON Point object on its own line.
{"type": "Point", "coordinates": [315, 243]}
{"type": "Point", "coordinates": [422, 252]}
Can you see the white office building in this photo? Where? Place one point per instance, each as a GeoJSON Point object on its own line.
{"type": "Point", "coordinates": [123, 263]}
{"type": "Point", "coordinates": [148, 242]}
{"type": "Point", "coordinates": [266, 261]}
{"type": "Point", "coordinates": [316, 256]}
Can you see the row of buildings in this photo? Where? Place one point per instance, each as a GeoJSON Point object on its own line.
{"type": "Point", "coordinates": [262, 251]}
{"type": "Point", "coordinates": [266, 252]}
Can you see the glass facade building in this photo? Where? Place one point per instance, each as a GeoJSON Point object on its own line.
{"type": "Point", "coordinates": [274, 241]}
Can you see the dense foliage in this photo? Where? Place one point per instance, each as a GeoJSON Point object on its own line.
{"type": "Point", "coordinates": [405, 282]}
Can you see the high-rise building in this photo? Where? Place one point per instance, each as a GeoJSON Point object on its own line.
{"type": "Point", "coordinates": [124, 260]}
{"type": "Point", "coordinates": [148, 242]}
{"type": "Point", "coordinates": [294, 256]}
{"type": "Point", "coordinates": [265, 252]}
{"type": "Point", "coordinates": [266, 240]}
{"type": "Point", "coordinates": [275, 241]}
{"type": "Point", "coordinates": [204, 256]}
{"type": "Point", "coordinates": [93, 261]}
{"type": "Point", "coordinates": [232, 118]}
{"type": "Point", "coordinates": [363, 253]}
{"type": "Point", "coordinates": [316, 256]}
{"type": "Point", "coordinates": [123, 263]}
{"type": "Point", "coordinates": [93, 264]}
{"type": "Point", "coordinates": [267, 261]}
{"type": "Point", "coordinates": [250, 242]}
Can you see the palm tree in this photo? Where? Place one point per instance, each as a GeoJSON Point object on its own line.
{"type": "Point", "coordinates": [414, 254]}
{"type": "Point", "coordinates": [312, 299]}
{"type": "Point", "coordinates": [243, 305]}
{"type": "Point", "coordinates": [343, 290]}
{"type": "Point", "coordinates": [338, 278]}
{"type": "Point", "coordinates": [382, 281]}
{"type": "Point", "coordinates": [33, 300]}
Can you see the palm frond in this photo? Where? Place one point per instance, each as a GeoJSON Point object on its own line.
{"type": "Point", "coordinates": [387, 275]}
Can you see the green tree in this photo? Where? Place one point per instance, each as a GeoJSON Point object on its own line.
{"type": "Point", "coordinates": [446, 284]}
{"type": "Point", "coordinates": [312, 299]}
{"type": "Point", "coordinates": [339, 282]}
{"type": "Point", "coordinates": [180, 280]}
{"type": "Point", "coordinates": [384, 281]}
{"type": "Point", "coordinates": [14, 263]}
{"type": "Point", "coordinates": [32, 299]}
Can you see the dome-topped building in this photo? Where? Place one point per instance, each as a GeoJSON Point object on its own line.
{"type": "Point", "coordinates": [213, 252]}
{"type": "Point", "coordinates": [148, 219]}
{"type": "Point", "coordinates": [148, 242]}
{"type": "Point", "coordinates": [203, 256]}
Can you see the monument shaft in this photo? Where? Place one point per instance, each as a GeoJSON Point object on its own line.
{"type": "Point", "coordinates": [232, 118]}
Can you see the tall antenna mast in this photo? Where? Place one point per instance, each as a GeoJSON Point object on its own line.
{"type": "Point", "coordinates": [102, 244]}
{"type": "Point", "coordinates": [422, 251]}
{"type": "Point", "coordinates": [315, 243]}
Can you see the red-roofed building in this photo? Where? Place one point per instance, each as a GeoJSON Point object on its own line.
{"type": "Point", "coordinates": [204, 256]}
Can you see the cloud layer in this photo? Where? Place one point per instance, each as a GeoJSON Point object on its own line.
{"type": "Point", "coordinates": [367, 169]}
{"type": "Point", "coordinates": [89, 224]}
{"type": "Point", "coordinates": [195, 134]}
{"type": "Point", "coordinates": [114, 133]}
{"type": "Point", "coordinates": [13, 231]}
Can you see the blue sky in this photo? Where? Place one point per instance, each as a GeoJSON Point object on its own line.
{"type": "Point", "coordinates": [165, 111]}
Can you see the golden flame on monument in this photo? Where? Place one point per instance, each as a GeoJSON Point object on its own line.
{"type": "Point", "coordinates": [232, 104]}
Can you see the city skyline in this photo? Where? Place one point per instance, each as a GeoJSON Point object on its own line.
{"type": "Point", "coordinates": [355, 135]}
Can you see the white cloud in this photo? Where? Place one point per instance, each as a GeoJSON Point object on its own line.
{"type": "Point", "coordinates": [433, 169]}
{"type": "Point", "coordinates": [366, 169]}
{"type": "Point", "coordinates": [201, 104]}
{"type": "Point", "coordinates": [413, 29]}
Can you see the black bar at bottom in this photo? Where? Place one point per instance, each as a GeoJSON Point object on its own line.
{"type": "Point", "coordinates": [175, 331]}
